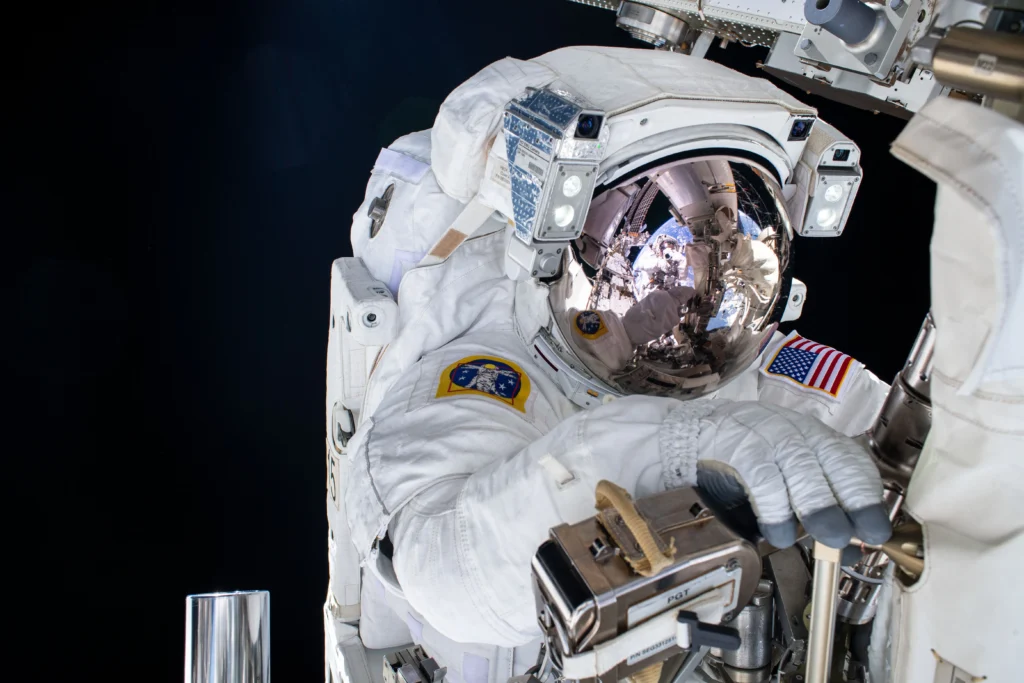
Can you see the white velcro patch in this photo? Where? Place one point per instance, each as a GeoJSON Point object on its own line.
{"type": "Point", "coordinates": [401, 165]}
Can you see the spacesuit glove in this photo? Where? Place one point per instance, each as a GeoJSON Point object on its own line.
{"type": "Point", "coordinates": [789, 466]}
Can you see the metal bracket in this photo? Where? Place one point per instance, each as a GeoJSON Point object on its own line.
{"type": "Point", "coordinates": [378, 210]}
{"type": "Point", "coordinates": [709, 635]}
{"type": "Point", "coordinates": [412, 666]}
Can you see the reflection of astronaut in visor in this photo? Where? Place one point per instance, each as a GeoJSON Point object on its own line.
{"type": "Point", "coordinates": [666, 247]}
{"type": "Point", "coordinates": [669, 267]}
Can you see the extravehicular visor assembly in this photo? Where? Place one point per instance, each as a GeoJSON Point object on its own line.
{"type": "Point", "coordinates": [692, 257]}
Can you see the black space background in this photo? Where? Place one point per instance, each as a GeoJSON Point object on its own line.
{"type": "Point", "coordinates": [179, 178]}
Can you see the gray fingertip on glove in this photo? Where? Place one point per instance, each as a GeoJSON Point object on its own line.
{"type": "Point", "coordinates": [790, 466]}
{"type": "Point", "coordinates": [833, 526]}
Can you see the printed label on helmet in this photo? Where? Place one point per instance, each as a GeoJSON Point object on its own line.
{"type": "Point", "coordinates": [499, 175]}
{"type": "Point", "coordinates": [650, 607]}
{"type": "Point", "coordinates": [487, 376]}
{"type": "Point", "coordinates": [590, 325]}
{"type": "Point", "coordinates": [530, 159]}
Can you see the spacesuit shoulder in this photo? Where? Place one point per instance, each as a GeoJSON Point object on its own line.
{"type": "Point", "coordinates": [818, 380]}
{"type": "Point", "coordinates": [404, 211]}
{"type": "Point", "coordinates": [473, 401]}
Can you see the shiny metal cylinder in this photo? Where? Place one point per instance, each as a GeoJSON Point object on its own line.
{"type": "Point", "coordinates": [714, 670]}
{"type": "Point", "coordinates": [227, 637]}
{"type": "Point", "coordinates": [849, 20]}
{"type": "Point", "coordinates": [902, 425]}
{"type": "Point", "coordinates": [652, 25]}
{"type": "Point", "coordinates": [858, 601]}
{"type": "Point", "coordinates": [901, 429]}
{"type": "Point", "coordinates": [917, 372]}
{"type": "Point", "coordinates": [980, 61]}
{"type": "Point", "coordinates": [824, 601]}
{"type": "Point", "coordinates": [754, 623]}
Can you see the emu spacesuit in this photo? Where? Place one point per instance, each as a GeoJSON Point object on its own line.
{"type": "Point", "coordinates": [467, 448]}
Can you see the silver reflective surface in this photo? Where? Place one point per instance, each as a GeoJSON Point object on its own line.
{"type": "Point", "coordinates": [684, 265]}
{"type": "Point", "coordinates": [227, 637]}
{"type": "Point", "coordinates": [754, 623]}
{"type": "Point", "coordinates": [553, 106]}
{"type": "Point", "coordinates": [902, 426]}
{"type": "Point", "coordinates": [824, 601]}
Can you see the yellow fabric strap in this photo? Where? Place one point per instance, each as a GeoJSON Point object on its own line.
{"type": "Point", "coordinates": [473, 217]}
{"type": "Point", "coordinates": [649, 675]}
{"type": "Point", "coordinates": [614, 496]}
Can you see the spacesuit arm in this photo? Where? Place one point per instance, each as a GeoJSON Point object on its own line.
{"type": "Point", "coordinates": [847, 400]}
{"type": "Point", "coordinates": [463, 545]}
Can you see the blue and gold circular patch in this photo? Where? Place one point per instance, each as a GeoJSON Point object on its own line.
{"type": "Point", "coordinates": [590, 325]}
{"type": "Point", "coordinates": [488, 376]}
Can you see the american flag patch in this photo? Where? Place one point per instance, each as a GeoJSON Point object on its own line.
{"type": "Point", "coordinates": [811, 365]}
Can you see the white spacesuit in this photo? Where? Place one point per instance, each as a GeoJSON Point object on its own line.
{"type": "Point", "coordinates": [961, 620]}
{"type": "Point", "coordinates": [469, 445]}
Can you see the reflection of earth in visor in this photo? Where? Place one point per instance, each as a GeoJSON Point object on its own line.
{"type": "Point", "coordinates": [670, 239]}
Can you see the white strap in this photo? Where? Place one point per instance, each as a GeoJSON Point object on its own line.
{"type": "Point", "coordinates": [556, 470]}
{"type": "Point", "coordinates": [465, 226]}
{"type": "Point", "coordinates": [654, 635]}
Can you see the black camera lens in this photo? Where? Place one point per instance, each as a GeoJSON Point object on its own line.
{"type": "Point", "coordinates": [801, 129]}
{"type": "Point", "coordinates": [841, 155]}
{"type": "Point", "coordinates": [588, 126]}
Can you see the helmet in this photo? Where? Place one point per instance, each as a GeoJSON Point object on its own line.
{"type": "Point", "coordinates": [675, 285]}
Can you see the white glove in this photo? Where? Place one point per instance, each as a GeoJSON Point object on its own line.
{"type": "Point", "coordinates": [790, 466]}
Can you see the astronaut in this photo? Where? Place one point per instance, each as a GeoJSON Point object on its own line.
{"type": "Point", "coordinates": [669, 261]}
{"type": "Point", "coordinates": [494, 412]}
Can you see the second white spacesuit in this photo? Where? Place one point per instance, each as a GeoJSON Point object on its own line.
{"type": "Point", "coordinates": [468, 450]}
